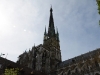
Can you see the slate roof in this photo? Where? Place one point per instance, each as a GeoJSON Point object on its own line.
{"type": "Point", "coordinates": [79, 58]}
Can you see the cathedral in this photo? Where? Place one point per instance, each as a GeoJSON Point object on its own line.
{"type": "Point", "coordinates": [46, 57]}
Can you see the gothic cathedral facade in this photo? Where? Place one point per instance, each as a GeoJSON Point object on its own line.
{"type": "Point", "coordinates": [46, 57]}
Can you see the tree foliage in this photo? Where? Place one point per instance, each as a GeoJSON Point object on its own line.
{"type": "Point", "coordinates": [98, 2]}
{"type": "Point", "coordinates": [12, 71]}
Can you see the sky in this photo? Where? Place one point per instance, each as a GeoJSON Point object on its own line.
{"type": "Point", "coordinates": [22, 24]}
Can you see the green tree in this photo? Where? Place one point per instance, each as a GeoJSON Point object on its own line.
{"type": "Point", "coordinates": [12, 71]}
{"type": "Point", "coordinates": [98, 3]}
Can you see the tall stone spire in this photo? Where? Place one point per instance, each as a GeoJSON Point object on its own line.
{"type": "Point", "coordinates": [51, 37]}
{"type": "Point", "coordinates": [45, 31]}
{"type": "Point", "coordinates": [57, 35]}
{"type": "Point", "coordinates": [51, 28]}
{"type": "Point", "coordinates": [45, 35]}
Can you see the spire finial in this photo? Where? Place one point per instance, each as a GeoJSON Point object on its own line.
{"type": "Point", "coordinates": [45, 30]}
{"type": "Point", "coordinates": [57, 34]}
{"type": "Point", "coordinates": [51, 5]}
{"type": "Point", "coordinates": [34, 44]}
{"type": "Point", "coordinates": [51, 8]}
{"type": "Point", "coordinates": [57, 29]}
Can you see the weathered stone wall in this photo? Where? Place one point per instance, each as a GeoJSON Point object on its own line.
{"type": "Point", "coordinates": [40, 59]}
{"type": "Point", "coordinates": [86, 64]}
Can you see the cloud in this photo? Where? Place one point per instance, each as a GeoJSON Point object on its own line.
{"type": "Point", "coordinates": [22, 24]}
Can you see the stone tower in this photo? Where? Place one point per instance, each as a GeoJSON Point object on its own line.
{"type": "Point", "coordinates": [51, 43]}
{"type": "Point", "coordinates": [44, 57]}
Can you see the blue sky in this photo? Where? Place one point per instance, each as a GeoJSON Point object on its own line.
{"type": "Point", "coordinates": [22, 23]}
